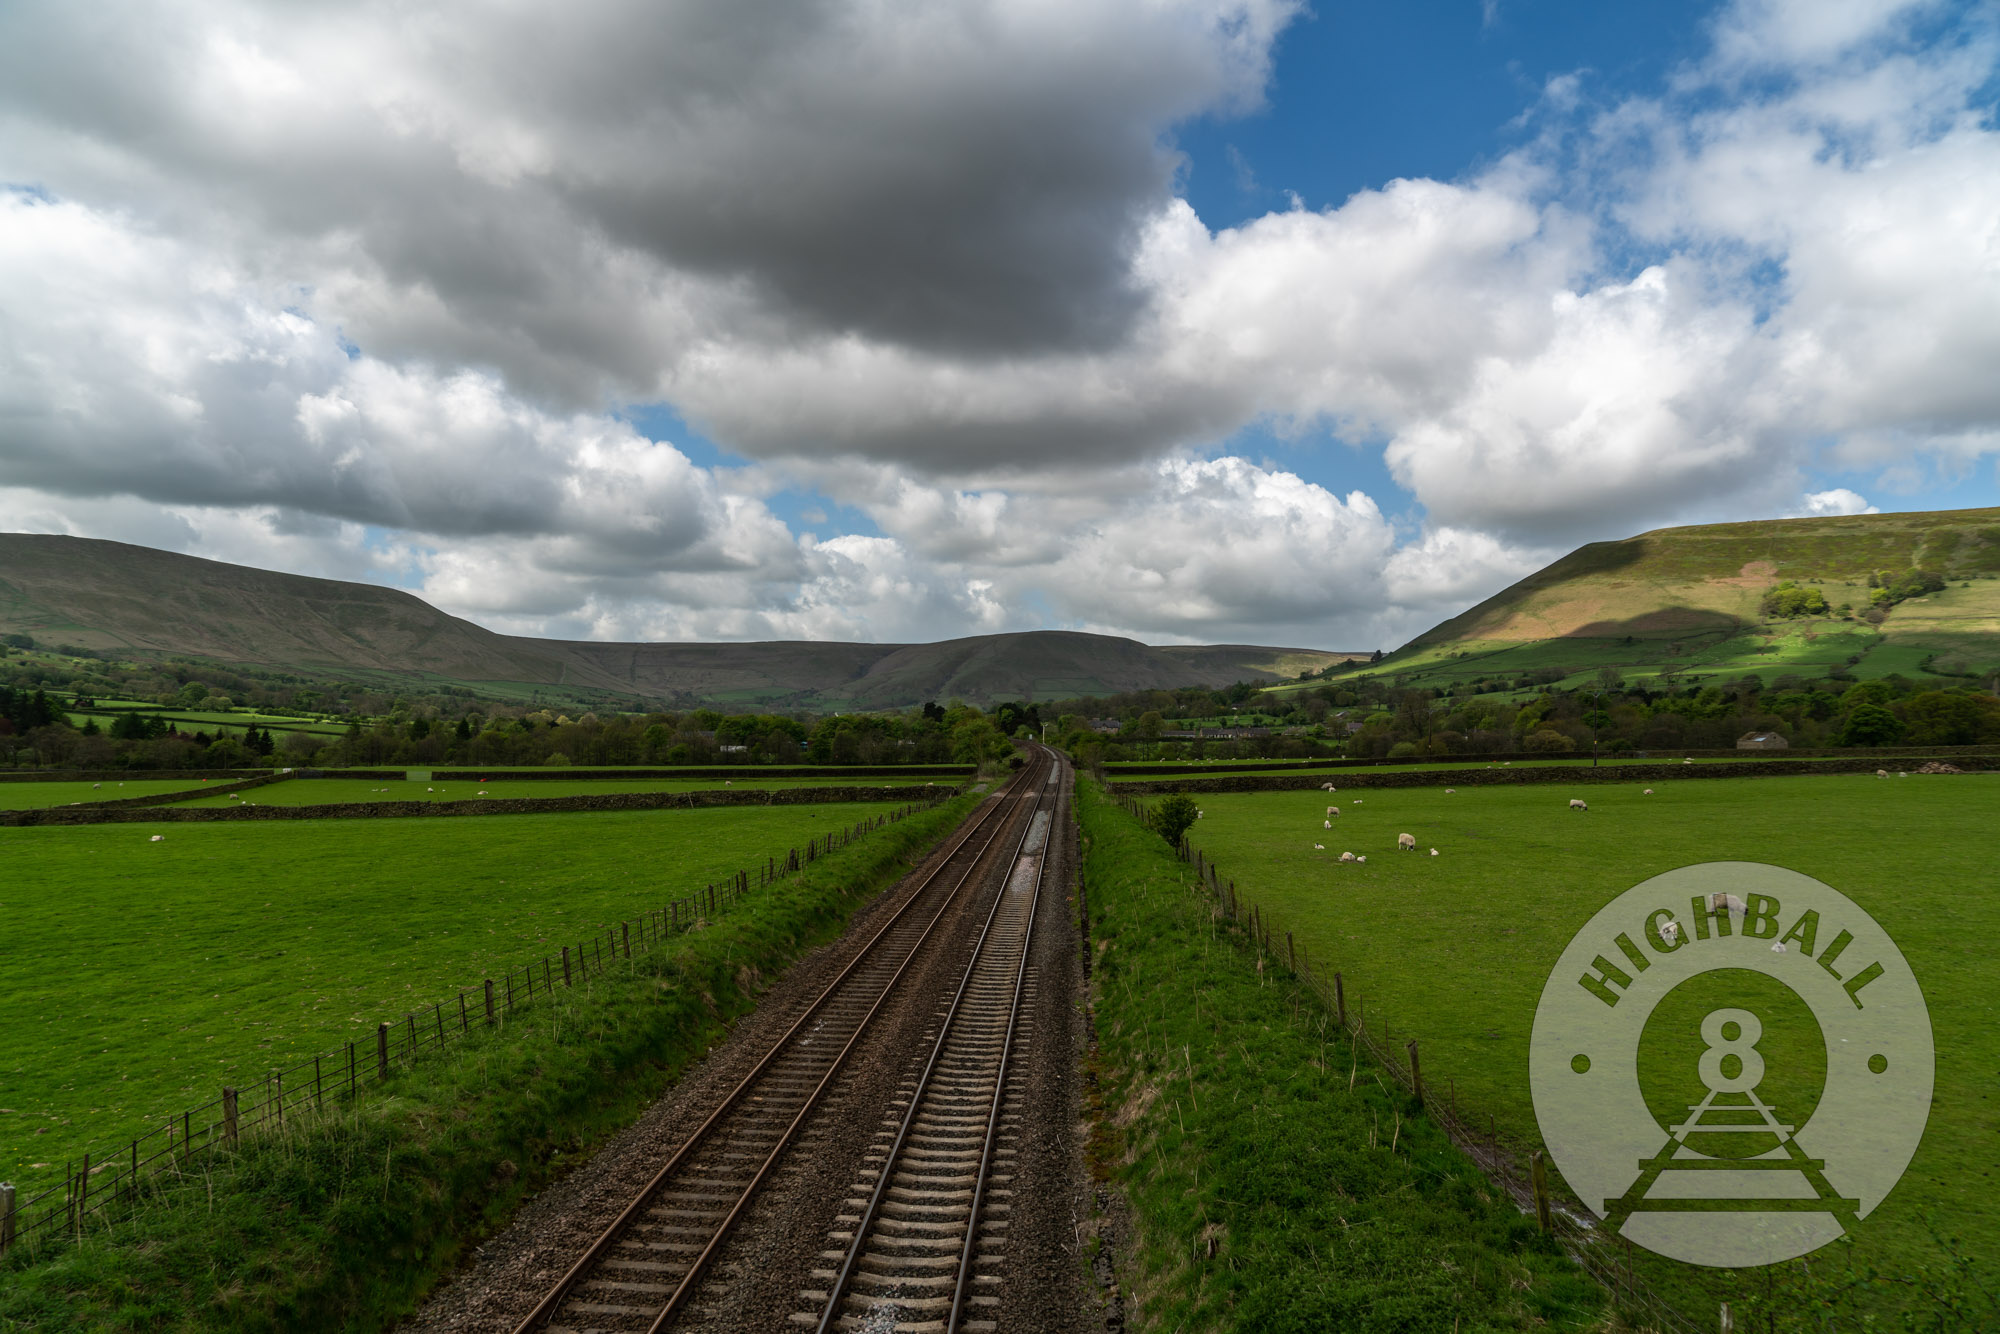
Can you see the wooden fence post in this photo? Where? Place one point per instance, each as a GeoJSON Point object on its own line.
{"type": "Point", "coordinates": [318, 1095]}
{"type": "Point", "coordinates": [228, 1115]}
{"type": "Point", "coordinates": [626, 927]}
{"type": "Point", "coordinates": [1538, 1171]}
{"type": "Point", "coordinates": [1340, 1001]}
{"type": "Point", "coordinates": [464, 1018]}
{"type": "Point", "coordinates": [1728, 1321]}
{"type": "Point", "coordinates": [82, 1194]}
{"type": "Point", "coordinates": [489, 1000]}
{"type": "Point", "coordinates": [6, 1215]}
{"type": "Point", "coordinates": [566, 981]}
{"type": "Point", "coordinates": [1416, 1072]}
{"type": "Point", "coordinates": [352, 1083]}
{"type": "Point", "coordinates": [1291, 955]}
{"type": "Point", "coordinates": [382, 1050]}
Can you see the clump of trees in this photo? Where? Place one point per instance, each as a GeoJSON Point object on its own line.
{"type": "Point", "coordinates": [1791, 599]}
{"type": "Point", "coordinates": [1612, 716]}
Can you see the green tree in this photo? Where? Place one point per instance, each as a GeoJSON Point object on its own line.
{"type": "Point", "coordinates": [1952, 718]}
{"type": "Point", "coordinates": [1871, 725]}
{"type": "Point", "coordinates": [1173, 816]}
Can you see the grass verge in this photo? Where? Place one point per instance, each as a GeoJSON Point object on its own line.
{"type": "Point", "coordinates": [1275, 1181]}
{"type": "Point", "coordinates": [344, 1220]}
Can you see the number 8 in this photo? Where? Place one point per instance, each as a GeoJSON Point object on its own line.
{"type": "Point", "coordinates": [1722, 1045]}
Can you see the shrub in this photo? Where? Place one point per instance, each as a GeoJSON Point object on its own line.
{"type": "Point", "coordinates": [1173, 816]}
{"type": "Point", "coordinates": [1548, 740]}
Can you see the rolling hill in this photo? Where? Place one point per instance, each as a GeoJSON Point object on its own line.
{"type": "Point", "coordinates": [1693, 601]}
{"type": "Point", "coordinates": [132, 600]}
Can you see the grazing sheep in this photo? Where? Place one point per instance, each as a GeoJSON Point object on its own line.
{"type": "Point", "coordinates": [1406, 842]}
{"type": "Point", "coordinates": [1434, 852]}
{"type": "Point", "coordinates": [1902, 775]}
{"type": "Point", "coordinates": [1326, 787]}
{"type": "Point", "coordinates": [95, 786]}
{"type": "Point", "coordinates": [1687, 761]}
{"type": "Point", "coordinates": [1729, 903]}
{"type": "Point", "coordinates": [1319, 847]}
{"type": "Point", "coordinates": [1333, 810]}
{"type": "Point", "coordinates": [1347, 856]}
{"type": "Point", "coordinates": [1450, 791]}
{"type": "Point", "coordinates": [1577, 804]}
{"type": "Point", "coordinates": [156, 838]}
{"type": "Point", "coordinates": [1362, 858]}
{"type": "Point", "coordinates": [1881, 773]}
{"type": "Point", "coordinates": [1648, 792]}
{"type": "Point", "coordinates": [1778, 948]}
{"type": "Point", "coordinates": [1326, 824]}
{"type": "Point", "coordinates": [1670, 932]}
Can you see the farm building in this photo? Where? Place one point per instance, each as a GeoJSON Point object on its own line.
{"type": "Point", "coordinates": [1761, 741]}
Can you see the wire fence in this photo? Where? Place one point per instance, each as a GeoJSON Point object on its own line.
{"type": "Point", "coordinates": [95, 1187]}
{"type": "Point", "coordinates": [1609, 1261]}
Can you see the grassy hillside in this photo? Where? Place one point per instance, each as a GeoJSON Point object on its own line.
{"type": "Point", "coordinates": [110, 596]}
{"type": "Point", "coordinates": [1694, 601]}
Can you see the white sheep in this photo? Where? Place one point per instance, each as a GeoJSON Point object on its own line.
{"type": "Point", "coordinates": [1406, 842]}
{"type": "Point", "coordinates": [1326, 824]}
{"type": "Point", "coordinates": [1333, 810]}
{"type": "Point", "coordinates": [1347, 856]}
{"type": "Point", "coordinates": [1729, 903]}
{"type": "Point", "coordinates": [1687, 761]}
{"type": "Point", "coordinates": [1670, 932]}
{"type": "Point", "coordinates": [1778, 948]}
{"type": "Point", "coordinates": [1362, 858]}
{"type": "Point", "coordinates": [156, 838]}
{"type": "Point", "coordinates": [1648, 792]}
{"type": "Point", "coordinates": [1434, 852]}
{"type": "Point", "coordinates": [1319, 847]}
{"type": "Point", "coordinates": [1902, 775]}
{"type": "Point", "coordinates": [1450, 791]}
{"type": "Point", "coordinates": [95, 786]}
{"type": "Point", "coordinates": [1578, 804]}
{"type": "Point", "coordinates": [1881, 773]}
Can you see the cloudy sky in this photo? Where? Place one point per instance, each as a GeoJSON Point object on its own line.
{"type": "Point", "coordinates": [897, 320]}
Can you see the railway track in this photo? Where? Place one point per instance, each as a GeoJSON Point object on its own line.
{"type": "Point", "coordinates": [642, 1272]}
{"type": "Point", "coordinates": [924, 1249]}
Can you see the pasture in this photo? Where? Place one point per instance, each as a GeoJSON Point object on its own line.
{"type": "Point", "coordinates": [34, 796]}
{"type": "Point", "coordinates": [1454, 949]}
{"type": "Point", "coordinates": [137, 977]}
{"type": "Point", "coordinates": [339, 791]}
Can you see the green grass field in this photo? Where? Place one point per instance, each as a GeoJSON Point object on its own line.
{"type": "Point", "coordinates": [136, 977]}
{"type": "Point", "coordinates": [33, 796]}
{"type": "Point", "coordinates": [338, 791]}
{"type": "Point", "coordinates": [1454, 949]}
{"type": "Point", "coordinates": [1275, 1182]}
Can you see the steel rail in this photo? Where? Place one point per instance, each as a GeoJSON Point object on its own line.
{"type": "Point", "coordinates": [830, 1314]}
{"type": "Point", "coordinates": [598, 1249]}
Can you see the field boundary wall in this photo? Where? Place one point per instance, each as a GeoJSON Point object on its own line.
{"type": "Point", "coordinates": [125, 775]}
{"type": "Point", "coordinates": [1150, 769]}
{"type": "Point", "coordinates": [87, 1193]}
{"type": "Point", "coordinates": [1568, 1221]}
{"type": "Point", "coordinates": [161, 809]}
{"type": "Point", "coordinates": [1616, 773]}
